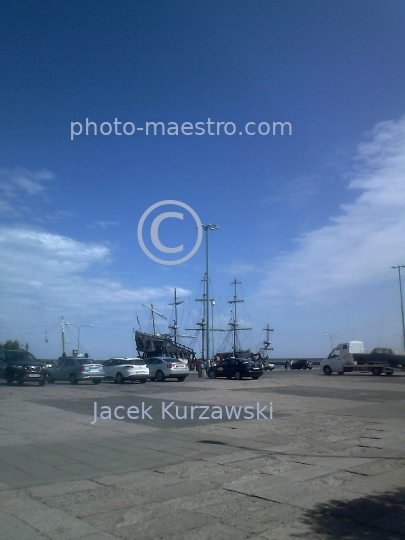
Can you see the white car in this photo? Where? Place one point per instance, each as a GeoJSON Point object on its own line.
{"type": "Point", "coordinates": [268, 366]}
{"type": "Point", "coordinates": [126, 369]}
{"type": "Point", "coordinates": [162, 368]}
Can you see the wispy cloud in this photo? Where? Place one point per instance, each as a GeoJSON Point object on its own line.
{"type": "Point", "coordinates": [237, 269]}
{"type": "Point", "coordinates": [359, 245]}
{"type": "Point", "coordinates": [299, 192]}
{"type": "Point", "coordinates": [103, 224]}
{"type": "Point", "coordinates": [60, 215]}
{"type": "Point", "coordinates": [19, 183]}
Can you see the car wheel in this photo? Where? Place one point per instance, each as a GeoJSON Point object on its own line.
{"type": "Point", "coordinates": [160, 376]}
{"type": "Point", "coordinates": [238, 375]}
{"type": "Point", "coordinates": [211, 374]}
{"type": "Point", "coordinates": [96, 381]}
{"type": "Point", "coordinates": [119, 378]}
{"type": "Point", "coordinates": [181, 379]}
{"type": "Point", "coordinates": [389, 373]}
{"type": "Point", "coordinates": [327, 370]}
{"type": "Point", "coordinates": [50, 379]}
{"type": "Point", "coordinates": [73, 379]}
{"type": "Point", "coordinates": [255, 378]}
{"type": "Point", "coordinates": [376, 371]}
{"type": "Point", "coordinates": [142, 381]}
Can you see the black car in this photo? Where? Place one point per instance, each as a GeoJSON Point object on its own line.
{"type": "Point", "coordinates": [21, 366]}
{"type": "Point", "coordinates": [236, 367]}
{"type": "Point", "coordinates": [301, 364]}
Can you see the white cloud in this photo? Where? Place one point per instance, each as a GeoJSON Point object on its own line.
{"type": "Point", "coordinates": [53, 273]}
{"type": "Point", "coordinates": [360, 244]}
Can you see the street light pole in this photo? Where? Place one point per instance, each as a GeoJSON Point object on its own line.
{"type": "Point", "coordinates": [212, 325]}
{"type": "Point", "coordinates": [78, 333]}
{"type": "Point", "coordinates": [331, 341]}
{"type": "Point", "coordinates": [399, 266]}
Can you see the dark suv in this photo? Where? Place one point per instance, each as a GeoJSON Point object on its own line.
{"type": "Point", "coordinates": [236, 367]}
{"type": "Point", "coordinates": [301, 364]}
{"type": "Point", "coordinates": [21, 366]}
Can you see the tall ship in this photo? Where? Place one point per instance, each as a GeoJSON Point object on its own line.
{"type": "Point", "coordinates": [163, 344]}
{"type": "Point", "coordinates": [168, 344]}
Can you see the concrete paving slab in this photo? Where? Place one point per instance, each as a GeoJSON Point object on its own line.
{"type": "Point", "coordinates": [55, 523]}
{"type": "Point", "coordinates": [62, 488]}
{"type": "Point", "coordinates": [135, 514]}
{"type": "Point", "coordinates": [393, 522]}
{"type": "Point", "coordinates": [13, 528]}
{"type": "Point", "coordinates": [95, 501]}
{"type": "Point", "coordinates": [385, 481]}
{"type": "Point", "coordinates": [305, 474]}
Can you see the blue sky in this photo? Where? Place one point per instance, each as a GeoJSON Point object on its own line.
{"type": "Point", "coordinates": [310, 223]}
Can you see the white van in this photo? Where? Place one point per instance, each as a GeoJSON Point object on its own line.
{"type": "Point", "coordinates": [341, 357]}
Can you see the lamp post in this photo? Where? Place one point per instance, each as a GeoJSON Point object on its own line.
{"type": "Point", "coordinates": [212, 325]}
{"type": "Point", "coordinates": [206, 228]}
{"type": "Point", "coordinates": [331, 341]}
{"type": "Point", "coordinates": [78, 333]}
{"type": "Point", "coordinates": [399, 266]}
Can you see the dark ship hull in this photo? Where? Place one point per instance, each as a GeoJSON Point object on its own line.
{"type": "Point", "coordinates": [149, 345]}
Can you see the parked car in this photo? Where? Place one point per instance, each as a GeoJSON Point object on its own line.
{"type": "Point", "coordinates": [21, 366]}
{"type": "Point", "coordinates": [301, 364]}
{"type": "Point", "coordinates": [126, 369]}
{"type": "Point", "coordinates": [161, 368]}
{"type": "Point", "coordinates": [236, 367]}
{"type": "Point", "coordinates": [48, 363]}
{"type": "Point", "coordinates": [267, 365]}
{"type": "Point", "coordinates": [73, 369]}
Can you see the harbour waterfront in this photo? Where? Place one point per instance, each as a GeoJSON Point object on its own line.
{"type": "Point", "coordinates": [330, 464]}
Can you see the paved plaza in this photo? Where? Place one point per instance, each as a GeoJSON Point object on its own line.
{"type": "Point", "coordinates": [326, 460]}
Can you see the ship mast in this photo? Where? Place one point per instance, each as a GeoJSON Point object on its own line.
{"type": "Point", "coordinates": [267, 343]}
{"type": "Point", "coordinates": [153, 311]}
{"type": "Point", "coordinates": [202, 326]}
{"type": "Point", "coordinates": [234, 321]}
{"type": "Point", "coordinates": [203, 323]}
{"type": "Point", "coordinates": [175, 326]}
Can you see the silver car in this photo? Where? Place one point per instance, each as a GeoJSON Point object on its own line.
{"type": "Point", "coordinates": [161, 368]}
{"type": "Point", "coordinates": [75, 369]}
{"type": "Point", "coordinates": [126, 369]}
